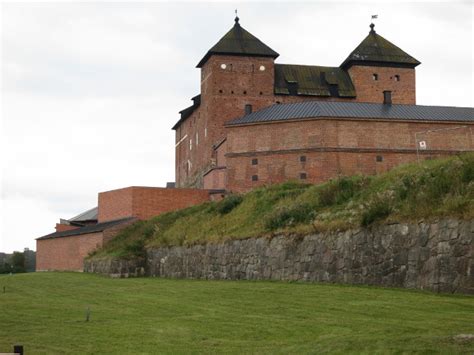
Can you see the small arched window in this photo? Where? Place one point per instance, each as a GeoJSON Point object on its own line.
{"type": "Point", "coordinates": [375, 77]}
{"type": "Point", "coordinates": [397, 77]}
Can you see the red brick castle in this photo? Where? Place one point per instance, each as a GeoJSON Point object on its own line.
{"type": "Point", "coordinates": [258, 122]}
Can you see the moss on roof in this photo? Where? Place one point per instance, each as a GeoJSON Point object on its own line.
{"type": "Point", "coordinates": [375, 49]}
{"type": "Point", "coordinates": [239, 41]}
{"type": "Point", "coordinates": [312, 80]}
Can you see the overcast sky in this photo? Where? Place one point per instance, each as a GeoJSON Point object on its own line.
{"type": "Point", "coordinates": [90, 91]}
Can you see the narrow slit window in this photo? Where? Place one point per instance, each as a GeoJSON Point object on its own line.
{"type": "Point", "coordinates": [375, 77]}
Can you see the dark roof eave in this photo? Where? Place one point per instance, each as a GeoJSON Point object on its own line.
{"type": "Point", "coordinates": [355, 110]}
{"type": "Point", "coordinates": [368, 63]}
{"type": "Point", "coordinates": [188, 111]}
{"type": "Point", "coordinates": [209, 54]}
{"type": "Point", "coordinates": [95, 228]}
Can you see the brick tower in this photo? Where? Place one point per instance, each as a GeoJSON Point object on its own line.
{"type": "Point", "coordinates": [380, 70]}
{"type": "Point", "coordinates": [237, 76]}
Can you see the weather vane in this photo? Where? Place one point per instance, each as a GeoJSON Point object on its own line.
{"type": "Point", "coordinates": [373, 17]}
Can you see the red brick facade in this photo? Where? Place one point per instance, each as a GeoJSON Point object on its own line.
{"type": "Point", "coordinates": [146, 202]}
{"type": "Point", "coordinates": [317, 150]}
{"type": "Point", "coordinates": [371, 82]}
{"type": "Point", "coordinates": [68, 253]}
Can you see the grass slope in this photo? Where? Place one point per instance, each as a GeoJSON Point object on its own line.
{"type": "Point", "coordinates": [412, 192]}
{"type": "Point", "coordinates": [45, 312]}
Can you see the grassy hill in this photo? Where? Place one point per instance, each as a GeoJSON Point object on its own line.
{"type": "Point", "coordinates": [46, 312]}
{"type": "Point", "coordinates": [433, 188]}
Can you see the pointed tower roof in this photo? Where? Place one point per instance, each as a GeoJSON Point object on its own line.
{"type": "Point", "coordinates": [376, 50]}
{"type": "Point", "coordinates": [239, 41]}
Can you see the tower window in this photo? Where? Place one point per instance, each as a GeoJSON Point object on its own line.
{"type": "Point", "coordinates": [379, 158]}
{"type": "Point", "coordinates": [245, 92]}
{"type": "Point", "coordinates": [254, 161]}
{"type": "Point", "coordinates": [303, 158]}
{"type": "Point", "coordinates": [190, 144]}
{"type": "Point", "coordinates": [303, 176]}
{"type": "Point", "coordinates": [261, 93]}
{"type": "Point", "coordinates": [375, 77]}
{"type": "Point", "coordinates": [197, 138]}
{"type": "Point", "coordinates": [254, 177]}
{"type": "Point", "coordinates": [220, 91]}
{"type": "Point", "coordinates": [397, 77]}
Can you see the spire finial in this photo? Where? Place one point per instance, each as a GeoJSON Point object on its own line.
{"type": "Point", "coordinates": [372, 24]}
{"type": "Point", "coordinates": [236, 17]}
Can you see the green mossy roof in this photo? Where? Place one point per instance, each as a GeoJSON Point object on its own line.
{"type": "Point", "coordinates": [312, 80]}
{"type": "Point", "coordinates": [238, 41]}
{"type": "Point", "coordinates": [375, 49]}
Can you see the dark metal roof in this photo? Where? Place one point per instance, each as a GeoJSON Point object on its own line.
{"type": "Point", "coordinates": [188, 111]}
{"type": "Point", "coordinates": [316, 109]}
{"type": "Point", "coordinates": [239, 41]}
{"type": "Point", "coordinates": [89, 215]}
{"type": "Point", "coordinates": [93, 228]}
{"type": "Point", "coordinates": [312, 80]}
{"type": "Point", "coordinates": [376, 50]}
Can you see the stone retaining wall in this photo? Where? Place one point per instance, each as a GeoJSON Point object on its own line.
{"type": "Point", "coordinates": [435, 256]}
{"type": "Point", "coordinates": [116, 267]}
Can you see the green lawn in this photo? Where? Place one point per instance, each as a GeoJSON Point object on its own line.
{"type": "Point", "coordinates": [45, 312]}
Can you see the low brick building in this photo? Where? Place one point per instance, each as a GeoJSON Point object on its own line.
{"type": "Point", "coordinates": [75, 238]}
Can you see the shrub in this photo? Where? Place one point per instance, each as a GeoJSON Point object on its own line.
{"type": "Point", "coordinates": [228, 204]}
{"type": "Point", "coordinates": [467, 170]}
{"type": "Point", "coordinates": [289, 216]}
{"type": "Point", "coordinates": [338, 191]}
{"type": "Point", "coordinates": [376, 211]}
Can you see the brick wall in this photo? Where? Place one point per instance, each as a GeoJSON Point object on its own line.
{"type": "Point", "coordinates": [115, 204]}
{"type": "Point", "coordinates": [370, 90]}
{"type": "Point", "coordinates": [315, 151]}
{"type": "Point", "coordinates": [64, 227]}
{"type": "Point", "coordinates": [146, 202]}
{"type": "Point", "coordinates": [66, 253]}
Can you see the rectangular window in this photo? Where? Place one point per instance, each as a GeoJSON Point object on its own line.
{"type": "Point", "coordinates": [379, 158]}
{"type": "Point", "coordinates": [190, 144]}
{"type": "Point", "coordinates": [254, 161]}
{"type": "Point", "coordinates": [303, 176]}
{"type": "Point", "coordinates": [205, 132]}
{"type": "Point", "coordinates": [197, 138]}
{"type": "Point", "coordinates": [303, 158]}
{"type": "Point", "coordinates": [254, 177]}
{"type": "Point", "coordinates": [375, 76]}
